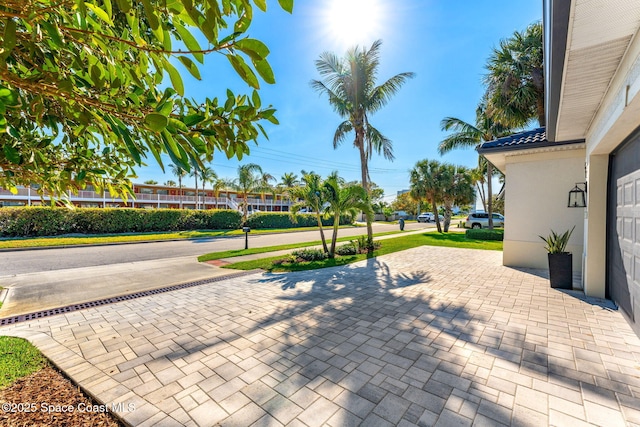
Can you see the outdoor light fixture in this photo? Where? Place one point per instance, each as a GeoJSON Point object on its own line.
{"type": "Point", "coordinates": [578, 196]}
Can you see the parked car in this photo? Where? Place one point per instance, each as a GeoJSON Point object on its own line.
{"type": "Point", "coordinates": [426, 217]}
{"type": "Point", "coordinates": [481, 220]}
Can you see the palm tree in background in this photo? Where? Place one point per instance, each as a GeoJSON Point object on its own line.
{"type": "Point", "coordinates": [515, 78]}
{"type": "Point", "coordinates": [458, 190]}
{"type": "Point", "coordinates": [179, 173]}
{"type": "Point", "coordinates": [249, 181]}
{"type": "Point", "coordinates": [170, 183]}
{"type": "Point", "coordinates": [350, 84]}
{"type": "Point", "coordinates": [266, 179]}
{"type": "Point", "coordinates": [467, 135]}
{"type": "Point", "coordinates": [427, 183]}
{"type": "Point", "coordinates": [195, 172]}
{"type": "Point", "coordinates": [208, 176]}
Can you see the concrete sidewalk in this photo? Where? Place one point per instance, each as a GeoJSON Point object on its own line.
{"type": "Point", "coordinates": [414, 338]}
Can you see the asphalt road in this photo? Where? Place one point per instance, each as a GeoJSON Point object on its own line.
{"type": "Point", "coordinates": [31, 261]}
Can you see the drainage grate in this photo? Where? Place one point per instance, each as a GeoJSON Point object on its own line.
{"type": "Point", "coordinates": [46, 313]}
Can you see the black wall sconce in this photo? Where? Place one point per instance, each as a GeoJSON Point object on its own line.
{"type": "Point", "coordinates": [578, 196]}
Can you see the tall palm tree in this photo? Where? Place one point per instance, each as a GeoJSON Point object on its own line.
{"type": "Point", "coordinates": [266, 179]}
{"type": "Point", "coordinates": [427, 183]}
{"type": "Point", "coordinates": [179, 173]}
{"type": "Point", "coordinates": [467, 135]}
{"type": "Point", "coordinates": [342, 198]}
{"type": "Point", "coordinates": [195, 172]}
{"type": "Point", "coordinates": [310, 195]}
{"type": "Point", "coordinates": [289, 180]}
{"type": "Point", "coordinates": [515, 79]}
{"type": "Point", "coordinates": [208, 176]}
{"type": "Point", "coordinates": [350, 83]}
{"type": "Point", "coordinates": [249, 181]}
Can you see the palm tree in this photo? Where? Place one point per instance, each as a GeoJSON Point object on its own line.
{"type": "Point", "coordinates": [515, 79]}
{"type": "Point", "coordinates": [170, 183]}
{"type": "Point", "coordinates": [194, 173]}
{"type": "Point", "coordinates": [458, 190]}
{"type": "Point", "coordinates": [208, 175]}
{"type": "Point", "coordinates": [342, 198]}
{"type": "Point", "coordinates": [289, 180]}
{"type": "Point", "coordinates": [467, 135]}
{"type": "Point", "coordinates": [266, 178]}
{"type": "Point", "coordinates": [249, 181]}
{"type": "Point", "coordinates": [309, 195]}
{"type": "Point", "coordinates": [179, 173]}
{"type": "Point", "coordinates": [350, 84]}
{"type": "Point", "coordinates": [428, 183]}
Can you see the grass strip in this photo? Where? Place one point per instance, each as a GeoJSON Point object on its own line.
{"type": "Point", "coordinates": [240, 252]}
{"type": "Point", "coordinates": [31, 242]}
{"type": "Point", "coordinates": [18, 358]}
{"type": "Point", "coordinates": [453, 240]}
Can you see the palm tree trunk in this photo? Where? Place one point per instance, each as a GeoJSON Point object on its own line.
{"type": "Point", "coordinates": [434, 206]}
{"type": "Point", "coordinates": [483, 197]}
{"type": "Point", "coordinates": [364, 167]}
{"type": "Point", "coordinates": [324, 242]}
{"type": "Point", "coordinates": [196, 176]}
{"type": "Point", "coordinates": [490, 194]}
{"type": "Point", "coordinates": [180, 190]}
{"type": "Point", "coordinates": [334, 239]}
{"type": "Point", "coordinates": [447, 217]}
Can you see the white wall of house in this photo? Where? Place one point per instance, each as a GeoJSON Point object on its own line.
{"type": "Point", "coordinates": [537, 189]}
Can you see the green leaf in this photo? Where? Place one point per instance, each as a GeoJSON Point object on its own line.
{"type": "Point", "coordinates": [100, 13]}
{"type": "Point", "coordinates": [174, 75]}
{"type": "Point", "coordinates": [151, 15]}
{"type": "Point", "coordinates": [190, 42]}
{"type": "Point", "coordinates": [262, 4]}
{"type": "Point", "coordinates": [156, 122]}
{"type": "Point", "coordinates": [12, 154]}
{"type": "Point", "coordinates": [124, 5]}
{"type": "Point", "coordinates": [8, 97]}
{"type": "Point", "coordinates": [254, 48]}
{"type": "Point", "coordinates": [286, 5]}
{"type": "Point", "coordinates": [255, 98]}
{"type": "Point", "coordinates": [264, 69]}
{"type": "Point", "coordinates": [191, 66]}
{"type": "Point", "coordinates": [53, 33]}
{"type": "Point", "coordinates": [244, 71]}
{"type": "Point", "coordinates": [178, 125]}
{"type": "Point", "coordinates": [9, 41]}
{"type": "Point", "coordinates": [193, 119]}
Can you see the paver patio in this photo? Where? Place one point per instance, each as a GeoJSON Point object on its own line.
{"type": "Point", "coordinates": [428, 336]}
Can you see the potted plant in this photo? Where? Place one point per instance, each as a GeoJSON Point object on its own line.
{"type": "Point", "coordinates": [560, 261]}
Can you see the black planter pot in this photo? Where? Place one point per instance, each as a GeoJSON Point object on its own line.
{"type": "Point", "coordinates": [560, 270]}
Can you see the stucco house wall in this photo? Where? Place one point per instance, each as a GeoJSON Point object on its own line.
{"type": "Point", "coordinates": [537, 190]}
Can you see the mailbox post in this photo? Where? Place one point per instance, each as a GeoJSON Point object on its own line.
{"type": "Point", "coordinates": [246, 236]}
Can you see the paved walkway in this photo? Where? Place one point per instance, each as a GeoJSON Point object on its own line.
{"type": "Point", "coordinates": [428, 336]}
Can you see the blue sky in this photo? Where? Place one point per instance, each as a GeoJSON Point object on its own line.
{"type": "Point", "coordinates": [445, 43]}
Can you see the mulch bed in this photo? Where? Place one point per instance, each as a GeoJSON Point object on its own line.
{"type": "Point", "coordinates": [40, 398]}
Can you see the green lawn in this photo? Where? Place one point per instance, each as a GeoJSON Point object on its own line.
{"type": "Point", "coordinates": [34, 242]}
{"type": "Point", "coordinates": [18, 358]}
{"type": "Point", "coordinates": [455, 240]}
{"type": "Point", "coordinates": [251, 251]}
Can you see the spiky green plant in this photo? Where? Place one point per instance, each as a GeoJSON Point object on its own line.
{"type": "Point", "coordinates": [556, 243]}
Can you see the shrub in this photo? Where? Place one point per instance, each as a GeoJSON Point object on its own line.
{"type": "Point", "coordinates": [362, 245]}
{"type": "Point", "coordinates": [484, 234]}
{"type": "Point", "coordinates": [47, 221]}
{"type": "Point", "coordinates": [288, 220]}
{"type": "Point", "coordinates": [310, 254]}
{"type": "Point", "coordinates": [347, 249]}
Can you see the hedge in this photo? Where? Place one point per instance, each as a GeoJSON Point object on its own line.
{"type": "Point", "coordinates": [47, 221]}
{"type": "Point", "coordinates": [484, 234]}
{"type": "Point", "coordinates": [288, 220]}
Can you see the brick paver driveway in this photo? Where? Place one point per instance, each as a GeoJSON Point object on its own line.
{"type": "Point", "coordinates": [429, 336]}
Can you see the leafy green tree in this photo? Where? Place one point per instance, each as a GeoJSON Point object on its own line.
{"type": "Point", "coordinates": [310, 195]}
{"type": "Point", "coordinates": [457, 190]}
{"type": "Point", "coordinates": [151, 182]}
{"type": "Point", "coordinates": [427, 182]}
{"type": "Point", "coordinates": [467, 135]}
{"type": "Point", "coordinates": [179, 172]}
{"type": "Point", "coordinates": [341, 198]}
{"type": "Point", "coordinates": [515, 78]}
{"type": "Point", "coordinates": [405, 202]}
{"type": "Point", "coordinates": [80, 88]}
{"type": "Point", "coordinates": [249, 181]}
{"type": "Point", "coordinates": [350, 84]}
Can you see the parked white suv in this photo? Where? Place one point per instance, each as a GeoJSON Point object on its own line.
{"type": "Point", "coordinates": [426, 217]}
{"type": "Point", "coordinates": [481, 220]}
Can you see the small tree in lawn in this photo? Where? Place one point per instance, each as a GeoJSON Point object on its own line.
{"type": "Point", "coordinates": [427, 183]}
{"type": "Point", "coordinates": [457, 190]}
{"type": "Point", "coordinates": [310, 195]}
{"type": "Point", "coordinates": [341, 198]}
